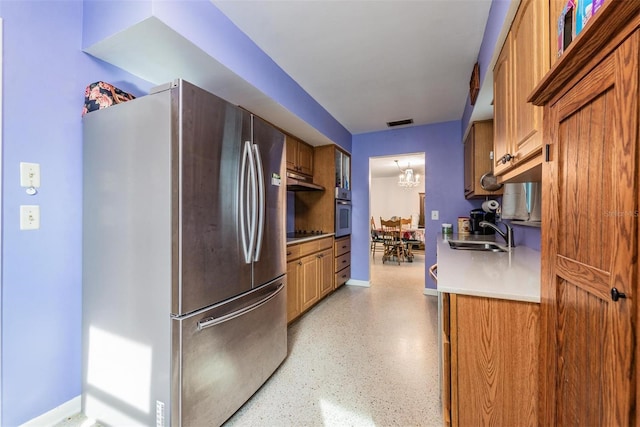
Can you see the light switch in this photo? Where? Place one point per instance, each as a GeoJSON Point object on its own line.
{"type": "Point", "coordinates": [29, 217]}
{"type": "Point", "coordinates": [435, 215]}
{"type": "Point", "coordinates": [30, 175]}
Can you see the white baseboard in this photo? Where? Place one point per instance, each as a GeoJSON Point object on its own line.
{"type": "Point", "coordinates": [431, 291]}
{"type": "Point", "coordinates": [363, 283]}
{"type": "Point", "coordinates": [54, 416]}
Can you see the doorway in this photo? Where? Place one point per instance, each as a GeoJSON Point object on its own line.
{"type": "Point", "coordinates": [392, 196]}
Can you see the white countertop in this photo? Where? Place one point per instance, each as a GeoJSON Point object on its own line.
{"type": "Point", "coordinates": [511, 275]}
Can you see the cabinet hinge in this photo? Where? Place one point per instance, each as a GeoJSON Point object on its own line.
{"type": "Point", "coordinates": [546, 152]}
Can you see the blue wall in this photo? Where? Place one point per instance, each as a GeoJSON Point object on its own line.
{"type": "Point", "coordinates": [43, 91]}
{"type": "Point", "coordinates": [495, 20]}
{"type": "Point", "coordinates": [45, 76]}
{"type": "Point", "coordinates": [44, 81]}
{"type": "Point", "coordinates": [444, 183]}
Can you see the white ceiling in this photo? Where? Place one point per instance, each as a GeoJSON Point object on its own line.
{"type": "Point", "coordinates": [386, 167]}
{"type": "Point", "coordinates": [368, 62]}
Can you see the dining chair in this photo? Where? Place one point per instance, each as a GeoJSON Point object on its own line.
{"type": "Point", "coordinates": [407, 238]}
{"type": "Point", "coordinates": [393, 245]}
{"type": "Point", "coordinates": [376, 238]}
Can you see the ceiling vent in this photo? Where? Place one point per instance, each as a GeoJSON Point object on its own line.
{"type": "Point", "coordinates": [400, 123]}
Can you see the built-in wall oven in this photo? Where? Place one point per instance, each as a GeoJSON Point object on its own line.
{"type": "Point", "coordinates": [343, 212]}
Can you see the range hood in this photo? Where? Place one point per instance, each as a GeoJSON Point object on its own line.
{"type": "Point", "coordinates": [297, 182]}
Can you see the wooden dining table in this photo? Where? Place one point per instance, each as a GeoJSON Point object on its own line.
{"type": "Point", "coordinates": [409, 237]}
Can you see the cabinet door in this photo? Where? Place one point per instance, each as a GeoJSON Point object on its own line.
{"type": "Point", "coordinates": [292, 152]}
{"type": "Point", "coordinates": [293, 289]}
{"type": "Point", "coordinates": [529, 63]}
{"type": "Point", "coordinates": [309, 277]}
{"type": "Point", "coordinates": [502, 108]}
{"type": "Point", "coordinates": [494, 362]}
{"type": "Point", "coordinates": [468, 163]}
{"type": "Point", "coordinates": [477, 158]}
{"type": "Point", "coordinates": [590, 247]}
{"type": "Point", "coordinates": [325, 270]}
{"type": "Point", "coordinates": [445, 357]}
{"type": "Point", "coordinates": [305, 158]}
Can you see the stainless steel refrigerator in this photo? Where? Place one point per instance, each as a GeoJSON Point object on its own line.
{"type": "Point", "coordinates": [184, 306]}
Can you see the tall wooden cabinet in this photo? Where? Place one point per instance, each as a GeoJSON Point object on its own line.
{"type": "Point", "coordinates": [590, 244]}
{"type": "Point", "coordinates": [522, 63]}
{"type": "Point", "coordinates": [315, 210]}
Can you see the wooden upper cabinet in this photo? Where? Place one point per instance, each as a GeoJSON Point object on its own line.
{"type": "Point", "coordinates": [502, 107]}
{"type": "Point", "coordinates": [530, 62]}
{"type": "Point", "coordinates": [299, 156]}
{"type": "Point", "coordinates": [522, 63]}
{"type": "Point", "coordinates": [478, 146]}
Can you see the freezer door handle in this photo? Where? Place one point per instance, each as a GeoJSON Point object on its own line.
{"type": "Point", "coordinates": [213, 321]}
{"type": "Point", "coordinates": [261, 202]}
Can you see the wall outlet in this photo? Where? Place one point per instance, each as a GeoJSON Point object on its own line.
{"type": "Point", "coordinates": [29, 217]}
{"type": "Point", "coordinates": [435, 215]}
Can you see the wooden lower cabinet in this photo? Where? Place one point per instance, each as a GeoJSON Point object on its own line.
{"type": "Point", "coordinates": [310, 285]}
{"type": "Point", "coordinates": [490, 361]}
{"type": "Point", "coordinates": [342, 252]}
{"type": "Point", "coordinates": [309, 275]}
{"type": "Point", "coordinates": [325, 272]}
{"type": "Point", "coordinates": [294, 299]}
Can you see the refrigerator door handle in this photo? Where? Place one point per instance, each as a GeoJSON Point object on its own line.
{"type": "Point", "coordinates": [244, 220]}
{"type": "Point", "coordinates": [261, 201]}
{"type": "Point", "coordinates": [244, 194]}
{"type": "Point", "coordinates": [253, 212]}
{"type": "Point", "coordinates": [213, 321]}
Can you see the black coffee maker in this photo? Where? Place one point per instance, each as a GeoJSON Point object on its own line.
{"type": "Point", "coordinates": [478, 215]}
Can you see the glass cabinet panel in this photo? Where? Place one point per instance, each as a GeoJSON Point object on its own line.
{"type": "Point", "coordinates": [343, 170]}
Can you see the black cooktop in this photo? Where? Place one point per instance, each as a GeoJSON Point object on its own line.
{"type": "Point", "coordinates": [298, 234]}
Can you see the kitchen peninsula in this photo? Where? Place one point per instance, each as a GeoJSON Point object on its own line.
{"type": "Point", "coordinates": [489, 315]}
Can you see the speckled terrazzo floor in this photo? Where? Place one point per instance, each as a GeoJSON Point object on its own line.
{"type": "Point", "coordinates": [361, 357]}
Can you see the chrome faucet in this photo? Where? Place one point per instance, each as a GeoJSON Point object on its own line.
{"type": "Point", "coordinates": [507, 236]}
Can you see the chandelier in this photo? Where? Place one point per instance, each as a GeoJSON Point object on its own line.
{"type": "Point", "coordinates": [407, 178]}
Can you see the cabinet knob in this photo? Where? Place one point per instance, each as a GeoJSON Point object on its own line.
{"type": "Point", "coordinates": [299, 262]}
{"type": "Point", "coordinates": [506, 158]}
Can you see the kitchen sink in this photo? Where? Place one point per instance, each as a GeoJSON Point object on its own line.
{"type": "Point", "coordinates": [475, 245]}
